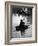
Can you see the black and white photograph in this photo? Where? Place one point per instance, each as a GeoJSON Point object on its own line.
{"type": "Point", "coordinates": [21, 22]}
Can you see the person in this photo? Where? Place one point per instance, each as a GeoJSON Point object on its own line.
{"type": "Point", "coordinates": [22, 27]}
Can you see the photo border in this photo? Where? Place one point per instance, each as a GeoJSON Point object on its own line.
{"type": "Point", "coordinates": [8, 23]}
